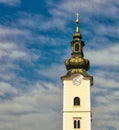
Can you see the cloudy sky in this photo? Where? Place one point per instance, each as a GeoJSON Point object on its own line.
{"type": "Point", "coordinates": [35, 40]}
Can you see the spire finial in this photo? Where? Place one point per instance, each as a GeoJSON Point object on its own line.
{"type": "Point", "coordinates": [77, 17]}
{"type": "Point", "coordinates": [77, 21]}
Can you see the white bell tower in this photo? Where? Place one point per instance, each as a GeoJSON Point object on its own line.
{"type": "Point", "coordinates": [76, 87]}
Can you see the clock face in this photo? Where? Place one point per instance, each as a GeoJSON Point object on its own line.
{"type": "Point", "coordinates": [77, 81]}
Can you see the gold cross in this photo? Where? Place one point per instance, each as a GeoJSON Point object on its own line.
{"type": "Point", "coordinates": [77, 16]}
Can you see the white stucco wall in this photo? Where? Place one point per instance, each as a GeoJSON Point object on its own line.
{"type": "Point", "coordinates": [81, 112]}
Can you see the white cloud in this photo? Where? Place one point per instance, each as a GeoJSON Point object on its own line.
{"type": "Point", "coordinates": [13, 51]}
{"type": "Point", "coordinates": [30, 20]}
{"type": "Point", "coordinates": [54, 72]}
{"type": "Point", "coordinates": [10, 2]}
{"type": "Point", "coordinates": [38, 106]}
{"type": "Point", "coordinates": [107, 56]}
{"type": "Point", "coordinates": [6, 46]}
{"type": "Point", "coordinates": [40, 21]}
{"type": "Point", "coordinates": [105, 113]}
{"type": "Point", "coordinates": [105, 96]}
{"type": "Point", "coordinates": [86, 6]}
{"type": "Point", "coordinates": [6, 31]}
{"type": "Point", "coordinates": [18, 54]}
{"type": "Point", "coordinates": [12, 43]}
{"type": "Point", "coordinates": [107, 30]}
{"type": "Point", "coordinates": [40, 103]}
{"type": "Point", "coordinates": [6, 88]}
{"type": "Point", "coordinates": [54, 23]}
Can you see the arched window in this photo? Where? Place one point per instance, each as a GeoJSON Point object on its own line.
{"type": "Point", "coordinates": [76, 101]}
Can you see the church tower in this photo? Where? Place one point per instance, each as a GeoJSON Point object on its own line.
{"type": "Point", "coordinates": [76, 87]}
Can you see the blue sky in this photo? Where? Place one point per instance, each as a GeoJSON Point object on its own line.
{"type": "Point", "coordinates": [34, 42]}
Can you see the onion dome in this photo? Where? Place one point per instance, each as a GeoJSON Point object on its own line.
{"type": "Point", "coordinates": [77, 63]}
